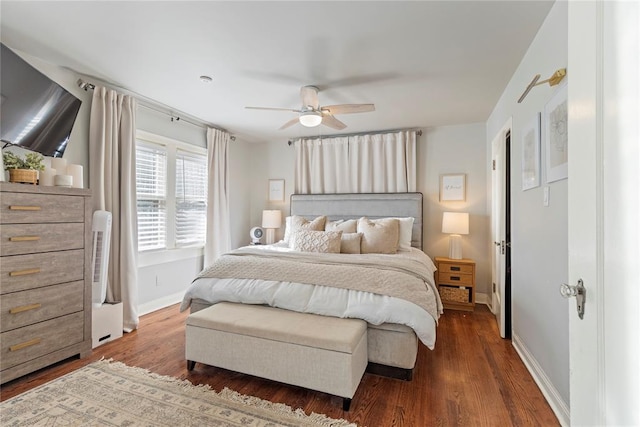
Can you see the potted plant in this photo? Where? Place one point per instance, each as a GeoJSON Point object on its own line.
{"type": "Point", "coordinates": [23, 170]}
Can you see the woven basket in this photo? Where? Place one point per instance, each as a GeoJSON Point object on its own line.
{"type": "Point", "coordinates": [454, 294]}
{"type": "Point", "coordinates": [26, 176]}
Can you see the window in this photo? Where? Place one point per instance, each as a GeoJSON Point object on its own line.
{"type": "Point", "coordinates": [171, 186]}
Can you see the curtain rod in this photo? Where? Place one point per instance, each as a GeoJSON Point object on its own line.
{"type": "Point", "coordinates": [150, 105]}
{"type": "Point", "coordinates": [382, 132]}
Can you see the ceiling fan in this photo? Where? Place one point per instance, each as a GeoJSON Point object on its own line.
{"type": "Point", "coordinates": [311, 114]}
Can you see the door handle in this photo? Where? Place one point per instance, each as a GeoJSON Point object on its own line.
{"type": "Point", "coordinates": [578, 291]}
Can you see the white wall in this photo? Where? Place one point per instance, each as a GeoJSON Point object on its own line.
{"type": "Point", "coordinates": [456, 149]}
{"type": "Point", "coordinates": [539, 233]}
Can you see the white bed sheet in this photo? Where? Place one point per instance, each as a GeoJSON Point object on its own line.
{"type": "Point", "coordinates": [324, 300]}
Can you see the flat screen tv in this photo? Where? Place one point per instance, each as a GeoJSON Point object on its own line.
{"type": "Point", "coordinates": [36, 113]}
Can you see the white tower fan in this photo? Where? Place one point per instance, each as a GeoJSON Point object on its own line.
{"type": "Point", "coordinates": [100, 256]}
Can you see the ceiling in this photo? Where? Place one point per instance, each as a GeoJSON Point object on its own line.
{"type": "Point", "coordinates": [422, 63]}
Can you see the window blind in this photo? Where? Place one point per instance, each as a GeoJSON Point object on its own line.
{"type": "Point", "coordinates": [151, 184]}
{"type": "Point", "coordinates": [191, 198]}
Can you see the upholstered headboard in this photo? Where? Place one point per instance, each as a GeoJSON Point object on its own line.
{"type": "Point", "coordinates": [353, 206]}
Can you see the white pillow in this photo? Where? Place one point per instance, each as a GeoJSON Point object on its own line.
{"type": "Point", "coordinates": [379, 236]}
{"type": "Point", "coordinates": [406, 232]}
{"type": "Point", "coordinates": [344, 225]}
{"type": "Point", "coordinates": [305, 240]}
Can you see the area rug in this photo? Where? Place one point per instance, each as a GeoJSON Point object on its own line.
{"type": "Point", "coordinates": [108, 393]}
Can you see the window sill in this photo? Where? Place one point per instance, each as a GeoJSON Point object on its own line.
{"type": "Point", "coordinates": [162, 256]}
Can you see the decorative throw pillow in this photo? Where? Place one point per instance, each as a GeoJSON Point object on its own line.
{"type": "Point", "coordinates": [406, 232]}
{"type": "Point", "coordinates": [344, 225]}
{"type": "Point", "coordinates": [379, 236]}
{"type": "Point", "coordinates": [350, 243]}
{"type": "Point", "coordinates": [304, 240]}
{"type": "Point", "coordinates": [297, 222]}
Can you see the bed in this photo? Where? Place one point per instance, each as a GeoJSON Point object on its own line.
{"type": "Point", "coordinates": [395, 293]}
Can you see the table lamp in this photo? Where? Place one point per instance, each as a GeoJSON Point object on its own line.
{"type": "Point", "coordinates": [271, 219]}
{"type": "Point", "coordinates": [455, 224]}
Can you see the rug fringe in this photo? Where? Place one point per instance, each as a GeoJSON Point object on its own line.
{"type": "Point", "coordinates": [185, 386]}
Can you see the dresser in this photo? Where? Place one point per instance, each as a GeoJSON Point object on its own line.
{"type": "Point", "coordinates": [45, 276]}
{"type": "Point", "coordinates": [456, 281]}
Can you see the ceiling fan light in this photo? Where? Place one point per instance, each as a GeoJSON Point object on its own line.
{"type": "Point", "coordinates": [310, 119]}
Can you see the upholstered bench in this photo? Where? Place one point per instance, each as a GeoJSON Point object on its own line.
{"type": "Point", "coordinates": [321, 353]}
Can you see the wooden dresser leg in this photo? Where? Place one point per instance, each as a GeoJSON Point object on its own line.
{"type": "Point", "coordinates": [346, 404]}
{"type": "Point", "coordinates": [190, 365]}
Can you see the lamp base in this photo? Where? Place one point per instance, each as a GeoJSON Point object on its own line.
{"type": "Point", "coordinates": [455, 246]}
{"type": "Point", "coordinates": [271, 236]}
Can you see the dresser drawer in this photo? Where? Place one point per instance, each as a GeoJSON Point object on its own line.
{"type": "Point", "coordinates": [24, 208]}
{"type": "Point", "coordinates": [18, 239]}
{"type": "Point", "coordinates": [22, 272]}
{"type": "Point", "coordinates": [37, 305]}
{"type": "Point", "coordinates": [455, 268]}
{"type": "Point", "coordinates": [455, 278]}
{"type": "Point", "coordinates": [25, 344]}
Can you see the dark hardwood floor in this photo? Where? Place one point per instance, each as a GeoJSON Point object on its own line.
{"type": "Point", "coordinates": [472, 378]}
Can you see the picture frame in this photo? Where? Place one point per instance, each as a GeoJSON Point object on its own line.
{"type": "Point", "coordinates": [453, 187]}
{"type": "Point", "coordinates": [556, 136]}
{"type": "Point", "coordinates": [531, 154]}
{"type": "Point", "coordinates": [276, 190]}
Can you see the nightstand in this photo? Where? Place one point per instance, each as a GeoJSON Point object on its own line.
{"type": "Point", "coordinates": [456, 281]}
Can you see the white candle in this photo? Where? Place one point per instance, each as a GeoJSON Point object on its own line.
{"type": "Point", "coordinates": [59, 164]}
{"type": "Point", "coordinates": [46, 177]}
{"type": "Point", "coordinates": [76, 172]}
{"type": "Point", "coordinates": [63, 180]}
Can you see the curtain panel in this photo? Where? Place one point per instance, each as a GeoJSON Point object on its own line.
{"type": "Point", "coordinates": [112, 142]}
{"type": "Point", "coordinates": [218, 238]}
{"type": "Point", "coordinates": [376, 163]}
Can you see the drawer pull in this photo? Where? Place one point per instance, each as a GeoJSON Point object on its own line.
{"type": "Point", "coordinates": [24, 272]}
{"type": "Point", "coordinates": [455, 268]}
{"type": "Point", "coordinates": [24, 208]}
{"type": "Point", "coordinates": [24, 238]}
{"type": "Point", "coordinates": [25, 344]}
{"type": "Point", "coordinates": [22, 308]}
{"type": "Point", "coordinates": [457, 278]}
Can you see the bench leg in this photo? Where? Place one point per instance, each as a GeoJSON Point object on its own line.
{"type": "Point", "coordinates": [190, 365]}
{"type": "Point", "coordinates": [346, 404]}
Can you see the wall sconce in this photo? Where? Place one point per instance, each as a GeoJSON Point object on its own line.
{"type": "Point", "coordinates": [271, 219]}
{"type": "Point", "coordinates": [455, 224]}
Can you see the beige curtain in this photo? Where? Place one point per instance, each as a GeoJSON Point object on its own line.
{"type": "Point", "coordinates": [112, 131]}
{"type": "Point", "coordinates": [375, 163]}
{"type": "Point", "coordinates": [218, 239]}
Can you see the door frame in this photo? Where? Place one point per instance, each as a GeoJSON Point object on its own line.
{"type": "Point", "coordinates": [499, 300]}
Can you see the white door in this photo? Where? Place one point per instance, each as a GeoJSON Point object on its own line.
{"type": "Point", "coordinates": [604, 204]}
{"type": "Point", "coordinates": [498, 265]}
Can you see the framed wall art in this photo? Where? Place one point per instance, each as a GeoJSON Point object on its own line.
{"type": "Point", "coordinates": [531, 154]}
{"type": "Point", "coordinates": [453, 187]}
{"type": "Point", "coordinates": [276, 190]}
{"type": "Point", "coordinates": [556, 141]}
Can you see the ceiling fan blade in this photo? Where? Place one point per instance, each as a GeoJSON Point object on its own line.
{"type": "Point", "coordinates": [272, 109]}
{"type": "Point", "coordinates": [289, 124]}
{"type": "Point", "coordinates": [309, 95]}
{"type": "Point", "coordinates": [348, 108]}
{"type": "Point", "coordinates": [332, 122]}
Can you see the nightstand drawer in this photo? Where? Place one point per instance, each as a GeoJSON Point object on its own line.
{"type": "Point", "coordinates": [455, 278]}
{"type": "Point", "coordinates": [455, 268]}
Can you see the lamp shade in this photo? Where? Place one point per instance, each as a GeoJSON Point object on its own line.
{"type": "Point", "coordinates": [310, 119]}
{"type": "Point", "coordinates": [271, 218]}
{"type": "Point", "coordinates": [455, 223]}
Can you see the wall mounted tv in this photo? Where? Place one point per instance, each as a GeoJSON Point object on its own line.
{"type": "Point", "coordinates": [36, 113]}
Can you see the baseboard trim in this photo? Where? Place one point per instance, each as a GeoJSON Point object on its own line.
{"type": "Point", "coordinates": [558, 405]}
{"type": "Point", "coordinates": [159, 303]}
{"type": "Point", "coordinates": [483, 299]}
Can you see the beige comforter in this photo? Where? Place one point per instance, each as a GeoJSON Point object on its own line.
{"type": "Point", "coordinates": [392, 275]}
